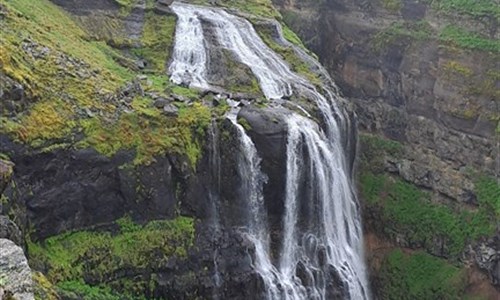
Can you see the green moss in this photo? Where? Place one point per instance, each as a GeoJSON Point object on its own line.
{"type": "Point", "coordinates": [159, 82]}
{"type": "Point", "coordinates": [462, 38]}
{"type": "Point", "coordinates": [42, 288]}
{"type": "Point", "coordinates": [67, 72]}
{"type": "Point", "coordinates": [260, 8]}
{"type": "Point", "coordinates": [98, 255]}
{"type": "Point", "coordinates": [418, 276]}
{"type": "Point", "coordinates": [398, 31]}
{"type": "Point", "coordinates": [245, 124]}
{"type": "Point", "coordinates": [488, 194]}
{"type": "Point", "coordinates": [475, 8]}
{"type": "Point", "coordinates": [79, 290]}
{"type": "Point", "coordinates": [392, 5]}
{"type": "Point", "coordinates": [157, 40]}
{"type": "Point", "coordinates": [297, 64]}
{"type": "Point", "coordinates": [182, 91]}
{"type": "Point", "coordinates": [46, 120]}
{"type": "Point", "coordinates": [455, 67]}
{"type": "Point", "coordinates": [375, 149]}
{"type": "Point", "coordinates": [239, 77]}
{"type": "Point", "coordinates": [193, 122]}
{"type": "Point", "coordinates": [149, 132]}
{"type": "Point", "coordinates": [408, 211]}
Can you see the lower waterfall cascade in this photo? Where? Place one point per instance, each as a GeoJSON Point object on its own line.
{"type": "Point", "coordinates": [325, 240]}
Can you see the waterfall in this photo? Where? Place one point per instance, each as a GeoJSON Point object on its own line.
{"type": "Point", "coordinates": [190, 58]}
{"type": "Point", "coordinates": [321, 250]}
{"type": "Point", "coordinates": [214, 197]}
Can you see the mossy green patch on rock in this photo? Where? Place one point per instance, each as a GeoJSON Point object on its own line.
{"type": "Point", "coordinates": [488, 193]}
{"type": "Point", "coordinates": [157, 40]}
{"type": "Point", "coordinates": [51, 57]}
{"type": "Point", "coordinates": [407, 211]}
{"type": "Point", "coordinates": [375, 150]}
{"type": "Point", "coordinates": [475, 8]}
{"type": "Point", "coordinates": [149, 132]}
{"type": "Point", "coordinates": [79, 290]}
{"type": "Point", "coordinates": [99, 256]}
{"type": "Point", "coordinates": [43, 288]}
{"type": "Point", "coordinates": [401, 31]}
{"type": "Point", "coordinates": [392, 5]}
{"type": "Point", "coordinates": [288, 54]}
{"type": "Point", "coordinates": [462, 38]}
{"type": "Point", "coordinates": [238, 77]}
{"type": "Point", "coordinates": [259, 8]}
{"type": "Point", "coordinates": [419, 275]}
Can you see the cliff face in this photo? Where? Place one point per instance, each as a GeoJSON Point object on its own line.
{"type": "Point", "coordinates": [113, 168]}
{"type": "Point", "coordinates": [424, 79]}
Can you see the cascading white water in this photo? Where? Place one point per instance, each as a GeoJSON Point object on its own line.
{"type": "Point", "coordinates": [190, 58]}
{"type": "Point", "coordinates": [330, 247]}
{"type": "Point", "coordinates": [338, 218]}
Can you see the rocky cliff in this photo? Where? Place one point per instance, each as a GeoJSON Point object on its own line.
{"type": "Point", "coordinates": [116, 170]}
{"type": "Point", "coordinates": [109, 168]}
{"type": "Point", "coordinates": [424, 79]}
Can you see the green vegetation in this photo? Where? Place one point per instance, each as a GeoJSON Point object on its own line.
{"type": "Point", "coordinates": [157, 40]}
{"type": "Point", "coordinates": [418, 275]}
{"type": "Point", "coordinates": [244, 123]}
{"type": "Point", "coordinates": [42, 288]}
{"type": "Point", "coordinates": [407, 31]}
{"type": "Point", "coordinates": [259, 8]}
{"type": "Point", "coordinates": [239, 77]}
{"type": "Point", "coordinates": [65, 73]}
{"type": "Point", "coordinates": [488, 193]}
{"type": "Point", "coordinates": [454, 67]}
{"type": "Point", "coordinates": [419, 31]}
{"type": "Point", "coordinates": [79, 290]}
{"type": "Point", "coordinates": [392, 5]}
{"type": "Point", "coordinates": [98, 256]}
{"type": "Point", "coordinates": [149, 132]}
{"type": "Point", "coordinates": [297, 65]}
{"type": "Point", "coordinates": [468, 40]}
{"type": "Point", "coordinates": [62, 70]}
{"type": "Point", "coordinates": [475, 8]}
{"type": "Point", "coordinates": [375, 149]}
{"type": "Point", "coordinates": [408, 211]}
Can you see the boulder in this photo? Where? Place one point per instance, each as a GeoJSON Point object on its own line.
{"type": "Point", "coordinates": [15, 273]}
{"type": "Point", "coordinates": [170, 110]}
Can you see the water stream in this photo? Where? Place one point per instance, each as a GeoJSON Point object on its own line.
{"type": "Point", "coordinates": [322, 237]}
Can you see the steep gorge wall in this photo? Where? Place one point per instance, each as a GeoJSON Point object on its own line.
{"type": "Point", "coordinates": [424, 80]}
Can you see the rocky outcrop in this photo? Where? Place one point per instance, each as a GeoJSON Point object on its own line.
{"type": "Point", "coordinates": [15, 274]}
{"type": "Point", "coordinates": [487, 256]}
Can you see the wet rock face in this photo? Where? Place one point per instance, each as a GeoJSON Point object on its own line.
{"type": "Point", "coordinates": [269, 133]}
{"type": "Point", "coordinates": [71, 187]}
{"type": "Point", "coordinates": [15, 274]}
{"type": "Point", "coordinates": [68, 190]}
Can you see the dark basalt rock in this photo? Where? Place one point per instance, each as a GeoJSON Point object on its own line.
{"type": "Point", "coordinates": [68, 189]}
{"type": "Point", "coordinates": [268, 131]}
